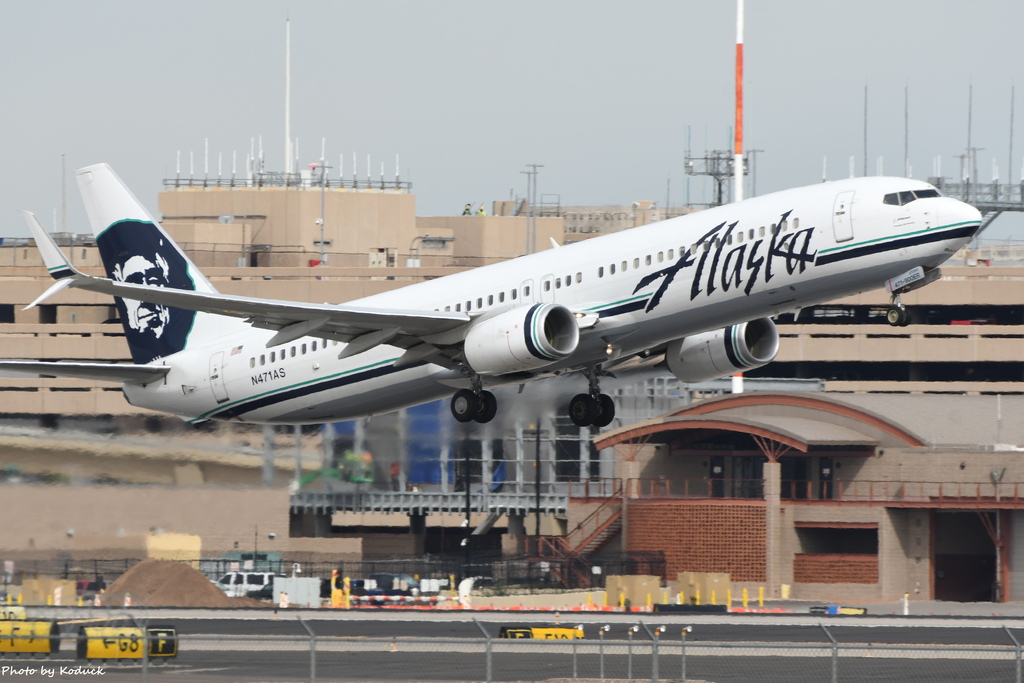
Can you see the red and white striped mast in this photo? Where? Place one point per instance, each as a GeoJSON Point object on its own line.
{"type": "Point", "coordinates": [737, 164]}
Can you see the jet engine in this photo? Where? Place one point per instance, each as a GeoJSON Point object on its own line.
{"type": "Point", "coordinates": [523, 338]}
{"type": "Point", "coordinates": [721, 353]}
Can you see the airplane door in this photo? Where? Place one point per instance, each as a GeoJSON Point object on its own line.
{"type": "Point", "coordinates": [547, 288]}
{"type": "Point", "coordinates": [220, 389]}
{"type": "Point", "coordinates": [842, 216]}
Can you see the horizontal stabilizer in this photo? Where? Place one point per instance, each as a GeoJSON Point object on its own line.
{"type": "Point", "coordinates": [109, 372]}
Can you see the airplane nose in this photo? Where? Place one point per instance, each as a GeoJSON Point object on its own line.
{"type": "Point", "coordinates": [961, 214]}
{"type": "Point", "coordinates": [970, 214]}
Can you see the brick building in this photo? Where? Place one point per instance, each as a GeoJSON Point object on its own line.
{"type": "Point", "coordinates": [866, 496]}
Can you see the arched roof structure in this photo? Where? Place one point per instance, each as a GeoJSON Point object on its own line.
{"type": "Point", "coordinates": [778, 422]}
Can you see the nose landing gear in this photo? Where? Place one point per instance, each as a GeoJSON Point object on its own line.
{"type": "Point", "coordinates": [897, 315]}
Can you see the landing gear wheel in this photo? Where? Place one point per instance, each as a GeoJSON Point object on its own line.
{"type": "Point", "coordinates": [897, 316]}
{"type": "Point", "coordinates": [606, 411]}
{"type": "Point", "coordinates": [465, 405]}
{"type": "Point", "coordinates": [488, 407]}
{"type": "Point", "coordinates": [583, 410]}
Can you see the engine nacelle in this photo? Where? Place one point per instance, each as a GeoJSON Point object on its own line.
{"type": "Point", "coordinates": [523, 338]}
{"type": "Point", "coordinates": [721, 353]}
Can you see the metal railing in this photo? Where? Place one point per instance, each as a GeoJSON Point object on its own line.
{"type": "Point", "coordinates": [891, 493]}
{"type": "Point", "coordinates": [292, 180]}
{"type": "Point", "coordinates": [907, 493]}
{"type": "Point", "coordinates": [639, 651]}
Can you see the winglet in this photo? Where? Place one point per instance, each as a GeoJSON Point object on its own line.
{"type": "Point", "coordinates": [53, 257]}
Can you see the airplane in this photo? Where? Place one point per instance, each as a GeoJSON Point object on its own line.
{"type": "Point", "coordinates": [695, 293]}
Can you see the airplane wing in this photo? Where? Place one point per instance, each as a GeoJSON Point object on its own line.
{"type": "Point", "coordinates": [360, 328]}
{"type": "Point", "coordinates": [130, 374]}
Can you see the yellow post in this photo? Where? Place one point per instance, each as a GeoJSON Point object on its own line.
{"type": "Point", "coordinates": [604, 599]}
{"type": "Point", "coordinates": [745, 597]}
{"type": "Point", "coordinates": [590, 601]}
{"type": "Point", "coordinates": [19, 598]}
{"type": "Point", "coordinates": [760, 596]}
{"type": "Point", "coordinates": [49, 599]}
{"type": "Point", "coordinates": [696, 596]}
{"type": "Point", "coordinates": [714, 601]}
{"type": "Point", "coordinates": [649, 602]}
{"type": "Point", "coordinates": [728, 597]}
{"type": "Point", "coordinates": [622, 600]}
{"type": "Point", "coordinates": [664, 597]}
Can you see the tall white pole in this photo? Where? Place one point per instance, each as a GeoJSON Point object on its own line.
{"type": "Point", "coordinates": [737, 162]}
{"type": "Point", "coordinates": [287, 96]}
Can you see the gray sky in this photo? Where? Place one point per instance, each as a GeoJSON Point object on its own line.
{"type": "Point", "coordinates": [468, 93]}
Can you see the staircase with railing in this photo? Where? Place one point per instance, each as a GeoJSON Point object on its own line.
{"type": "Point", "coordinates": [568, 555]}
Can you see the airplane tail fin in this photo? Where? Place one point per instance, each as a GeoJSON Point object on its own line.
{"type": "Point", "coordinates": [134, 248]}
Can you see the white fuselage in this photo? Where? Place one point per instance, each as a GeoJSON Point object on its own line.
{"type": "Point", "coordinates": [706, 270]}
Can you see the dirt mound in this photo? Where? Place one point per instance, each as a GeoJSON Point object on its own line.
{"type": "Point", "coordinates": [163, 583]}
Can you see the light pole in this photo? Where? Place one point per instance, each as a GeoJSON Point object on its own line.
{"type": "Point", "coordinates": [323, 202]}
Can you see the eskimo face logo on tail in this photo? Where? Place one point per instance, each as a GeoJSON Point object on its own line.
{"type": "Point", "coordinates": [719, 265]}
{"type": "Point", "coordinates": [137, 252]}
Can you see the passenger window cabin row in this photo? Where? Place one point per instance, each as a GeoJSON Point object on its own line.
{"type": "Point", "coordinates": [293, 351]}
{"type": "Point", "coordinates": [666, 256]}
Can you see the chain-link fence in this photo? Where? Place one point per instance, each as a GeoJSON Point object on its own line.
{"type": "Point", "coordinates": [621, 652]}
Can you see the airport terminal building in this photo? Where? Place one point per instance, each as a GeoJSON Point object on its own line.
{"type": "Point", "coordinates": [866, 462]}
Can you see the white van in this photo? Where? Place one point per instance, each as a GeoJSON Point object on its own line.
{"type": "Point", "coordinates": [240, 584]}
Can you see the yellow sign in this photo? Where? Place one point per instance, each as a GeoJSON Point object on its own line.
{"type": "Point", "coordinates": [29, 636]}
{"type": "Point", "coordinates": [541, 632]}
{"type": "Point", "coordinates": [123, 642]}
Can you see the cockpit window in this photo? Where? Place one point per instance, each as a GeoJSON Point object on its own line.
{"type": "Point", "coordinates": [903, 198]}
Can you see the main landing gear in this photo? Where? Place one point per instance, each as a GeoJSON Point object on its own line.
{"type": "Point", "coordinates": [897, 315]}
{"type": "Point", "coordinates": [592, 409]}
{"type": "Point", "coordinates": [476, 404]}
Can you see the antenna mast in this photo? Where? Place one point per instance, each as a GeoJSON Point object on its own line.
{"type": "Point", "coordinates": [737, 162]}
{"type": "Point", "coordinates": [287, 96]}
